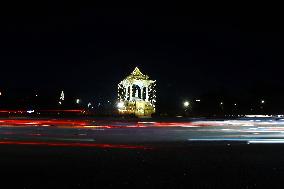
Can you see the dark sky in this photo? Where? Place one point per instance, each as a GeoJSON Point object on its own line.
{"type": "Point", "coordinates": [90, 50]}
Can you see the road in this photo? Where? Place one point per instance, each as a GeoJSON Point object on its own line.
{"type": "Point", "coordinates": [79, 153]}
{"type": "Point", "coordinates": [92, 132]}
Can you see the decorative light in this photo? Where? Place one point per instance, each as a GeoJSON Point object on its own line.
{"type": "Point", "coordinates": [120, 105]}
{"type": "Point", "coordinates": [77, 101]}
{"type": "Point", "coordinates": [126, 93]}
{"type": "Point", "coordinates": [62, 95]}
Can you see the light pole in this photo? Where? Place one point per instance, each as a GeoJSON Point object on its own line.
{"type": "Point", "coordinates": [186, 105]}
{"type": "Point", "coordinates": [262, 102]}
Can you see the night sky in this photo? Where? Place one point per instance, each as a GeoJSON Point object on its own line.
{"type": "Point", "coordinates": [90, 50]}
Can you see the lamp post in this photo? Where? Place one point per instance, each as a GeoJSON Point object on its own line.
{"type": "Point", "coordinates": [262, 102]}
{"type": "Point", "coordinates": [186, 105]}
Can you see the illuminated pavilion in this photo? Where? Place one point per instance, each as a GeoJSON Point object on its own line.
{"type": "Point", "coordinates": [137, 95]}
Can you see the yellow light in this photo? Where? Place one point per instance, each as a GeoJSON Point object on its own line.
{"type": "Point", "coordinates": [136, 103]}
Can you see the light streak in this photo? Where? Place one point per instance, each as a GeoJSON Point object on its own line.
{"type": "Point", "coordinates": [74, 144]}
{"type": "Point", "coordinates": [266, 141]}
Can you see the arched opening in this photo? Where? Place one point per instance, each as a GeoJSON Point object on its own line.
{"type": "Point", "coordinates": [136, 91]}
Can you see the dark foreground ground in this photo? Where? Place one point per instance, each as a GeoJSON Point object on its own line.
{"type": "Point", "coordinates": [190, 156]}
{"type": "Point", "coordinates": [200, 165]}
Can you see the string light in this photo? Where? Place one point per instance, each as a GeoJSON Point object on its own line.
{"type": "Point", "coordinates": [131, 92]}
{"type": "Point", "coordinates": [62, 95]}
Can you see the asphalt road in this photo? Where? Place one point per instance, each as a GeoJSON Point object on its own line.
{"type": "Point", "coordinates": [168, 154]}
{"type": "Point", "coordinates": [140, 132]}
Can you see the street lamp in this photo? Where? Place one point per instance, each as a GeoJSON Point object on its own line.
{"type": "Point", "coordinates": [262, 101]}
{"type": "Point", "coordinates": [186, 104]}
{"type": "Point", "coordinates": [77, 101]}
{"type": "Point", "coordinates": [262, 104]}
{"type": "Point", "coordinates": [89, 104]}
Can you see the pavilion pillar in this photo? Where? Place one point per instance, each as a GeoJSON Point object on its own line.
{"type": "Point", "coordinates": [126, 92]}
{"type": "Point", "coordinates": [141, 92]}
{"type": "Point", "coordinates": [130, 88]}
{"type": "Point", "coordinates": [147, 94]}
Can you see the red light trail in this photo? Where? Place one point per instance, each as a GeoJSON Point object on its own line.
{"type": "Point", "coordinates": [31, 122]}
{"type": "Point", "coordinates": [98, 124]}
{"type": "Point", "coordinates": [74, 144]}
{"type": "Point", "coordinates": [41, 111]}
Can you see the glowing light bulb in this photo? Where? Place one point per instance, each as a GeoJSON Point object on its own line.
{"type": "Point", "coordinates": [262, 101]}
{"type": "Point", "coordinates": [120, 105]}
{"type": "Point", "coordinates": [186, 104]}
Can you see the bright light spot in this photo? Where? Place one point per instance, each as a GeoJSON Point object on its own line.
{"type": "Point", "coordinates": [186, 104]}
{"type": "Point", "coordinates": [221, 103]}
{"type": "Point", "coordinates": [257, 116]}
{"type": "Point", "coordinates": [30, 111]}
{"type": "Point", "coordinates": [89, 104]}
{"type": "Point", "coordinates": [262, 101]}
{"type": "Point", "coordinates": [59, 102]}
{"type": "Point", "coordinates": [198, 100]}
{"type": "Point", "coordinates": [266, 141]}
{"type": "Point", "coordinates": [62, 95]}
{"type": "Point", "coordinates": [120, 105]}
{"type": "Point", "coordinates": [77, 100]}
